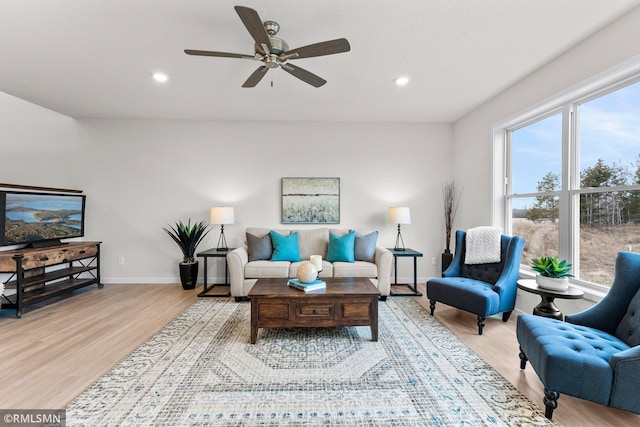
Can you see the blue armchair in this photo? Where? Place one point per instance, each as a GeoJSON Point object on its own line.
{"type": "Point", "coordinates": [593, 355]}
{"type": "Point", "coordinates": [482, 289]}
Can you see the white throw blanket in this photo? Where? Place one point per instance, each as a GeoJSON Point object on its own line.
{"type": "Point", "coordinates": [483, 245]}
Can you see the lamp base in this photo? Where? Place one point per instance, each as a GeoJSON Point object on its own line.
{"type": "Point", "coordinates": [222, 240]}
{"type": "Point", "coordinates": [399, 241]}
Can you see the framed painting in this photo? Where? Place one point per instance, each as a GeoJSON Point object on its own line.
{"type": "Point", "coordinates": [310, 200]}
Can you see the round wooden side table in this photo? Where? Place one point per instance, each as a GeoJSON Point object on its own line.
{"type": "Point", "coordinates": [547, 308]}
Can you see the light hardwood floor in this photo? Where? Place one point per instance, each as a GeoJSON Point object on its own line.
{"type": "Point", "coordinates": [57, 351]}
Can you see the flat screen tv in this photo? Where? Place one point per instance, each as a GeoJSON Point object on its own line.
{"type": "Point", "coordinates": [40, 219]}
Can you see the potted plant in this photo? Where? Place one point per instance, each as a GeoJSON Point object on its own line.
{"type": "Point", "coordinates": [552, 273]}
{"type": "Point", "coordinates": [188, 237]}
{"type": "Point", "coordinates": [450, 203]}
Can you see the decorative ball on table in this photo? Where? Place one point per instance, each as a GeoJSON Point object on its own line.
{"type": "Point", "coordinates": [317, 261]}
{"type": "Point", "coordinates": [307, 272]}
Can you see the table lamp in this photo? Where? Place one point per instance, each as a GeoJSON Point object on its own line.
{"type": "Point", "coordinates": [399, 215]}
{"type": "Point", "coordinates": [221, 215]}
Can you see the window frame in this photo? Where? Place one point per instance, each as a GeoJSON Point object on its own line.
{"type": "Point", "coordinates": [567, 103]}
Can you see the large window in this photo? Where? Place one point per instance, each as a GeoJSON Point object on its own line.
{"type": "Point", "coordinates": [571, 183]}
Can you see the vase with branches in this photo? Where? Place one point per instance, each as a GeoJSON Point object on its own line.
{"type": "Point", "coordinates": [451, 200]}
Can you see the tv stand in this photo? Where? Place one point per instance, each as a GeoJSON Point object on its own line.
{"type": "Point", "coordinates": [42, 273]}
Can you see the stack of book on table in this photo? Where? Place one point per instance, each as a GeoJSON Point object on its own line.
{"type": "Point", "coordinates": [307, 287]}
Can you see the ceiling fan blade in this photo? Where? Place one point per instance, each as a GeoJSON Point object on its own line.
{"type": "Point", "coordinates": [252, 21]}
{"type": "Point", "coordinates": [319, 49]}
{"type": "Point", "coordinates": [256, 76]}
{"type": "Point", "coordinates": [220, 54]}
{"type": "Point", "coordinates": [303, 75]}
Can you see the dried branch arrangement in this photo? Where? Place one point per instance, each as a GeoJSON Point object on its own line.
{"type": "Point", "coordinates": [450, 208]}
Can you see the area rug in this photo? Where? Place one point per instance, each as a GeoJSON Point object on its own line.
{"type": "Point", "coordinates": [201, 370]}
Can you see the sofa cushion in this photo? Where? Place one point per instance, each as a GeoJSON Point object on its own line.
{"type": "Point", "coordinates": [355, 269]}
{"type": "Point", "coordinates": [339, 231]}
{"type": "Point", "coordinates": [261, 231]}
{"type": "Point", "coordinates": [285, 248]}
{"type": "Point", "coordinates": [365, 246]}
{"type": "Point", "coordinates": [259, 247]}
{"type": "Point", "coordinates": [341, 248]}
{"type": "Point", "coordinates": [267, 269]}
{"type": "Point", "coordinates": [313, 242]}
{"type": "Point", "coordinates": [628, 329]}
{"type": "Point", "coordinates": [327, 269]}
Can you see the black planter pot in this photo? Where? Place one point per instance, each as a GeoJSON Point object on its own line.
{"type": "Point", "coordinates": [447, 257]}
{"type": "Point", "coordinates": [189, 274]}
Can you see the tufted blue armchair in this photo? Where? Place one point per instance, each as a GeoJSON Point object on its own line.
{"type": "Point", "coordinates": [482, 289]}
{"type": "Point", "coordinates": [595, 354]}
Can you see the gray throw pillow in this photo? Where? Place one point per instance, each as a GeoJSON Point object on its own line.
{"type": "Point", "coordinates": [260, 248]}
{"type": "Point", "coordinates": [365, 246]}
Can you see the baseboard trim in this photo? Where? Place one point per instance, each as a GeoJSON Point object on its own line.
{"type": "Point", "coordinates": [155, 280]}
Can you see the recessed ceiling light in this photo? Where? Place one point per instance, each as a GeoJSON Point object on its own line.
{"type": "Point", "coordinates": [401, 81]}
{"type": "Point", "coordinates": [160, 77]}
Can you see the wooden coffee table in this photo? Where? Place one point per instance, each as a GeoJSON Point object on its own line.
{"type": "Point", "coordinates": [346, 301]}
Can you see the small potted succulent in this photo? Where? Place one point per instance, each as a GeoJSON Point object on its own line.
{"type": "Point", "coordinates": [188, 237]}
{"type": "Point", "coordinates": [552, 273]}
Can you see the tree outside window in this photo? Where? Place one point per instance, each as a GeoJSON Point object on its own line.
{"type": "Point", "coordinates": [606, 197]}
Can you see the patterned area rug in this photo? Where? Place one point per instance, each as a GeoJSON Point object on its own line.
{"type": "Point", "coordinates": [201, 370]}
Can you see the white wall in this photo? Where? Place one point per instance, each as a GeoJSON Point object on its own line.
{"type": "Point", "coordinates": [472, 152]}
{"type": "Point", "coordinates": [141, 175]}
{"type": "Point", "coordinates": [48, 137]}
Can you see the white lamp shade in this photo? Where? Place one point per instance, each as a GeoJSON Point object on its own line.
{"type": "Point", "coordinates": [399, 215]}
{"type": "Point", "coordinates": [221, 215]}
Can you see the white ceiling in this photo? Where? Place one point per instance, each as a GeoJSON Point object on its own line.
{"type": "Point", "coordinates": [95, 58]}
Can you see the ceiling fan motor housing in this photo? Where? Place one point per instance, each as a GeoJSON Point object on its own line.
{"type": "Point", "coordinates": [277, 46]}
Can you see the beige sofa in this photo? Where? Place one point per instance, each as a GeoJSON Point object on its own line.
{"type": "Point", "coordinates": [244, 273]}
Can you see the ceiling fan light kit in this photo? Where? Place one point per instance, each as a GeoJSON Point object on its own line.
{"type": "Point", "coordinates": [274, 52]}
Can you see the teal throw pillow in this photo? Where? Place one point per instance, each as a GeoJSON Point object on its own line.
{"type": "Point", "coordinates": [285, 248]}
{"type": "Point", "coordinates": [341, 248]}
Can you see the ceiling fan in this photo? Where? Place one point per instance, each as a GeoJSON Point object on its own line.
{"type": "Point", "coordinates": [274, 52]}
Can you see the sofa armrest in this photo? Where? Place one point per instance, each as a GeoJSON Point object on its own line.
{"type": "Point", "coordinates": [626, 376]}
{"type": "Point", "coordinates": [236, 260]}
{"type": "Point", "coordinates": [384, 263]}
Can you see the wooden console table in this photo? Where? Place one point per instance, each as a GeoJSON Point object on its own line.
{"type": "Point", "coordinates": [34, 280]}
